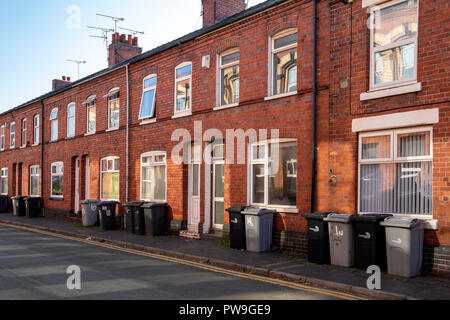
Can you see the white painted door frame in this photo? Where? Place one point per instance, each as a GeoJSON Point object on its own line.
{"type": "Point", "coordinates": [77, 186]}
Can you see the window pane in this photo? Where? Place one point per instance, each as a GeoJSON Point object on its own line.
{"type": "Point", "coordinates": [413, 144]}
{"type": "Point", "coordinates": [150, 83]}
{"type": "Point", "coordinates": [36, 135]}
{"type": "Point", "coordinates": [258, 183]}
{"type": "Point", "coordinates": [219, 151]}
{"type": "Point", "coordinates": [184, 71]}
{"type": "Point", "coordinates": [54, 127]}
{"type": "Point", "coordinates": [259, 152]}
{"type": "Point", "coordinates": [219, 181]}
{"type": "Point", "coordinates": [57, 185]}
{"type": "Point", "coordinates": [285, 41]}
{"type": "Point", "coordinates": [71, 126]}
{"type": "Point", "coordinates": [92, 117]}
{"type": "Point", "coordinates": [160, 158]}
{"type": "Point", "coordinates": [154, 186]}
{"type": "Point", "coordinates": [183, 95]}
{"type": "Point", "coordinates": [285, 71]}
{"type": "Point", "coordinates": [230, 58]}
{"type": "Point", "coordinates": [376, 147]}
{"type": "Point", "coordinates": [395, 64]}
{"type": "Point", "coordinates": [110, 185]}
{"type": "Point", "coordinates": [114, 114]}
{"type": "Point", "coordinates": [219, 213]}
{"type": "Point", "coordinates": [377, 188]}
{"type": "Point", "coordinates": [230, 85]}
{"type": "Point", "coordinates": [71, 111]}
{"type": "Point", "coordinates": [34, 190]}
{"type": "Point", "coordinates": [394, 23]}
{"type": "Point", "coordinates": [195, 180]}
{"type": "Point", "coordinates": [4, 185]}
{"type": "Point", "coordinates": [147, 110]}
{"type": "Point", "coordinates": [283, 176]}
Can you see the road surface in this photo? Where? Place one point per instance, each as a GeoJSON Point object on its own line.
{"type": "Point", "coordinates": [33, 266]}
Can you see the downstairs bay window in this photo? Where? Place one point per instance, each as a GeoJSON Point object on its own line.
{"type": "Point", "coordinates": [396, 172]}
{"type": "Point", "coordinates": [273, 173]}
{"type": "Point", "coordinates": [109, 178]}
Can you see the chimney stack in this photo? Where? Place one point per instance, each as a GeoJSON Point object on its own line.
{"type": "Point", "coordinates": [122, 48]}
{"type": "Point", "coordinates": [216, 10]}
{"type": "Point", "coordinates": [57, 83]}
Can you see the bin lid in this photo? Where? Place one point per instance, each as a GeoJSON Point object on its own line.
{"type": "Point", "coordinates": [134, 204]}
{"type": "Point", "coordinates": [101, 203]}
{"type": "Point", "coordinates": [316, 215]}
{"type": "Point", "coordinates": [374, 218]}
{"type": "Point", "coordinates": [89, 201]}
{"type": "Point", "coordinates": [149, 205]}
{"type": "Point", "coordinates": [236, 209]}
{"type": "Point", "coordinates": [252, 211]}
{"type": "Point", "coordinates": [337, 217]}
{"type": "Point", "coordinates": [402, 222]}
{"type": "Point", "coordinates": [17, 197]}
{"type": "Point", "coordinates": [31, 198]}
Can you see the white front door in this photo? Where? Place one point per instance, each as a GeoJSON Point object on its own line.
{"type": "Point", "coordinates": [77, 185]}
{"type": "Point", "coordinates": [194, 195]}
{"type": "Point", "coordinates": [218, 194]}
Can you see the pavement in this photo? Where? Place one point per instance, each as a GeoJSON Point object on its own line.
{"type": "Point", "coordinates": [278, 265]}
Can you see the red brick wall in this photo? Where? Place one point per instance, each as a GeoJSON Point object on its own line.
{"type": "Point", "coordinates": [216, 10]}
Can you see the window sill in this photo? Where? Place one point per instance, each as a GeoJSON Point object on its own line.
{"type": "Point", "coordinates": [69, 138]}
{"type": "Point", "coordinates": [182, 114]}
{"type": "Point", "coordinates": [147, 121]}
{"type": "Point", "coordinates": [56, 199]}
{"type": "Point", "coordinates": [232, 105]}
{"type": "Point", "coordinates": [53, 141]}
{"type": "Point", "coordinates": [111, 129]}
{"type": "Point", "coordinates": [22, 147]}
{"type": "Point", "coordinates": [279, 209]}
{"type": "Point", "coordinates": [35, 145]}
{"type": "Point", "coordinates": [89, 134]}
{"type": "Point", "coordinates": [281, 95]}
{"type": "Point", "coordinates": [388, 92]}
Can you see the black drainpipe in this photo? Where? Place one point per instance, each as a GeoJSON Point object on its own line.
{"type": "Point", "coordinates": [314, 114]}
{"type": "Point", "coordinates": [41, 141]}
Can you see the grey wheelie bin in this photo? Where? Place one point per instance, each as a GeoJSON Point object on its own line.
{"type": "Point", "coordinates": [18, 204]}
{"type": "Point", "coordinates": [318, 239]}
{"type": "Point", "coordinates": [341, 239]}
{"type": "Point", "coordinates": [404, 246]}
{"type": "Point", "coordinates": [155, 215]}
{"type": "Point", "coordinates": [107, 214]}
{"type": "Point", "coordinates": [258, 229]}
{"type": "Point", "coordinates": [89, 212]}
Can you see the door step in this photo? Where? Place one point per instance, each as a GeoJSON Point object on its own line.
{"type": "Point", "coordinates": [190, 234]}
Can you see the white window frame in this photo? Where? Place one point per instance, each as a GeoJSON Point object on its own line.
{"type": "Point", "coordinates": [70, 117]}
{"type": "Point", "coordinates": [110, 101]}
{"type": "Point", "coordinates": [393, 159]}
{"type": "Point", "coordinates": [88, 107]}
{"type": "Point", "coordinates": [2, 138]}
{"type": "Point", "coordinates": [36, 138]}
{"type": "Point", "coordinates": [31, 178]}
{"type": "Point", "coordinates": [144, 90]}
{"type": "Point", "coordinates": [12, 133]}
{"type": "Point", "coordinates": [265, 162]}
{"type": "Point", "coordinates": [414, 40]}
{"type": "Point", "coordinates": [272, 52]}
{"type": "Point", "coordinates": [188, 111]}
{"type": "Point", "coordinates": [113, 158]}
{"type": "Point", "coordinates": [3, 175]}
{"type": "Point", "coordinates": [52, 120]}
{"type": "Point", "coordinates": [59, 163]}
{"type": "Point", "coordinates": [24, 133]}
{"type": "Point", "coordinates": [219, 78]}
{"type": "Point", "coordinates": [153, 154]}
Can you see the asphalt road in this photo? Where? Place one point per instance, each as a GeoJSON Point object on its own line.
{"type": "Point", "coordinates": [33, 266]}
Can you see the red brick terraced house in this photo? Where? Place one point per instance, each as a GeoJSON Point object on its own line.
{"type": "Point", "coordinates": [354, 93]}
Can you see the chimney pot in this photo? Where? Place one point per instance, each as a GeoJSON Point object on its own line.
{"type": "Point", "coordinates": [130, 39]}
{"type": "Point", "coordinates": [68, 79]}
{"type": "Point", "coordinates": [122, 38]}
{"type": "Point", "coordinates": [64, 78]}
{"type": "Point", "coordinates": [135, 41]}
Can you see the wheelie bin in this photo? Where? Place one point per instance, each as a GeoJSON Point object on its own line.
{"type": "Point", "coordinates": [89, 212]}
{"type": "Point", "coordinates": [4, 205]}
{"type": "Point", "coordinates": [318, 239]}
{"type": "Point", "coordinates": [258, 228]}
{"type": "Point", "coordinates": [33, 207]}
{"type": "Point", "coordinates": [341, 239]}
{"type": "Point", "coordinates": [237, 228]}
{"type": "Point", "coordinates": [107, 215]}
{"type": "Point", "coordinates": [155, 214]}
{"type": "Point", "coordinates": [18, 206]}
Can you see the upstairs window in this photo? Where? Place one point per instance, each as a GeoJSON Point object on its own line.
{"type": "Point", "coordinates": [24, 132]}
{"type": "Point", "coordinates": [396, 172]}
{"type": "Point", "coordinates": [2, 138]}
{"type": "Point", "coordinates": [34, 181]}
{"type": "Point", "coordinates": [283, 77]}
{"type": "Point", "coordinates": [153, 176]}
{"type": "Point", "coordinates": [229, 77]}
{"type": "Point", "coordinates": [148, 98]}
{"type": "Point", "coordinates": [91, 115]}
{"type": "Point", "coordinates": [36, 128]}
{"type": "Point", "coordinates": [113, 109]}
{"type": "Point", "coordinates": [54, 125]}
{"type": "Point", "coordinates": [393, 43]}
{"type": "Point", "coordinates": [183, 88]}
{"type": "Point", "coordinates": [12, 136]}
{"type": "Point", "coordinates": [109, 178]}
{"type": "Point", "coordinates": [57, 174]}
{"type": "Point", "coordinates": [71, 120]}
{"type": "Point", "coordinates": [4, 182]}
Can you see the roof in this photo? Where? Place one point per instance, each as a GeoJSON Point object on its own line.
{"type": "Point", "coordinates": [186, 38]}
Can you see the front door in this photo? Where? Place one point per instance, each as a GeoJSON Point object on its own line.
{"type": "Point", "coordinates": [218, 194]}
{"type": "Point", "coordinates": [77, 186]}
{"type": "Point", "coordinates": [194, 196]}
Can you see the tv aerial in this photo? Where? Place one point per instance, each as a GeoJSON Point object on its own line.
{"type": "Point", "coordinates": [133, 32]}
{"type": "Point", "coordinates": [78, 62]}
{"type": "Point", "coordinates": [115, 19]}
{"type": "Point", "coordinates": [104, 36]}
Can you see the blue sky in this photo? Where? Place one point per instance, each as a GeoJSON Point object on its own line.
{"type": "Point", "coordinates": [38, 37]}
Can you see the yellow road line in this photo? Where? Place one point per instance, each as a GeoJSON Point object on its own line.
{"type": "Point", "coordinates": [279, 282]}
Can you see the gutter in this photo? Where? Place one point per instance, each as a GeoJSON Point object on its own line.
{"type": "Point", "coordinates": [314, 114]}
